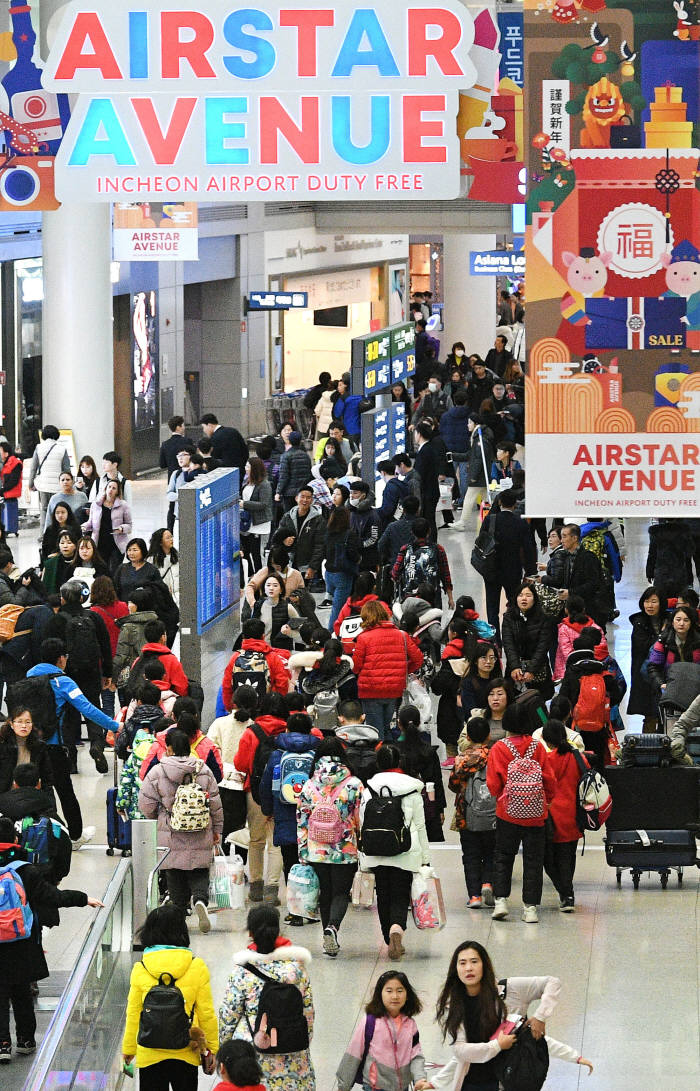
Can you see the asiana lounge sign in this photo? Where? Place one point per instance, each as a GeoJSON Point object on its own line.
{"type": "Point", "coordinates": [272, 101]}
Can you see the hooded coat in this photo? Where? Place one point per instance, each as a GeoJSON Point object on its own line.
{"type": "Point", "coordinates": [188, 849]}
{"type": "Point", "coordinates": [245, 755]}
{"type": "Point", "coordinates": [132, 638]}
{"type": "Point", "coordinates": [410, 791]}
{"type": "Point", "coordinates": [279, 678]}
{"type": "Point", "coordinates": [201, 747]}
{"type": "Point", "coordinates": [330, 776]}
{"type": "Point", "coordinates": [568, 632]}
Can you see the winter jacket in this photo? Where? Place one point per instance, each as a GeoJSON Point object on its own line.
{"type": "Point", "coordinates": [323, 412]}
{"type": "Point", "coordinates": [121, 522]}
{"type": "Point", "coordinates": [226, 733]}
{"type": "Point", "coordinates": [499, 472]}
{"type": "Point", "coordinates": [130, 782]}
{"type": "Point", "coordinates": [169, 572]}
{"type": "Point", "coordinates": [279, 676]}
{"type": "Point", "coordinates": [58, 627]}
{"type": "Point", "coordinates": [347, 410]}
{"type": "Point", "coordinates": [66, 692]}
{"type": "Point", "coordinates": [341, 679]}
{"type": "Point", "coordinates": [556, 568]}
{"type": "Point", "coordinates": [174, 674]}
{"type": "Point", "coordinates": [410, 790]}
{"type": "Point", "coordinates": [127, 578]}
{"type": "Point", "coordinates": [309, 545]}
{"type": "Point", "coordinates": [516, 554]}
{"type": "Point", "coordinates": [474, 690]}
{"type": "Point", "coordinates": [192, 979]}
{"type": "Point", "coordinates": [39, 756]}
{"type": "Point", "coordinates": [480, 437]}
{"type": "Point", "coordinates": [454, 430]}
{"type": "Point", "coordinates": [526, 640]}
{"type": "Point", "coordinates": [398, 533]}
{"type": "Point", "coordinates": [665, 651]}
{"type": "Point", "coordinates": [259, 503]}
{"type": "Point", "coordinates": [446, 683]}
{"type": "Point", "coordinates": [500, 758]}
{"type": "Point", "coordinates": [572, 737]}
{"type": "Point", "coordinates": [189, 849]}
{"type": "Point", "coordinates": [295, 471]}
{"type": "Point", "coordinates": [384, 657]}
{"type": "Point", "coordinates": [423, 763]}
{"type": "Point", "coordinates": [405, 574]}
{"type": "Point", "coordinates": [132, 637]}
{"type": "Point", "coordinates": [645, 632]}
{"type": "Point", "coordinates": [562, 808]}
{"type": "Point", "coordinates": [201, 747]}
{"type": "Point", "coordinates": [568, 632]}
{"type": "Point", "coordinates": [274, 615]}
{"type": "Point", "coordinates": [328, 777]}
{"type": "Point", "coordinates": [11, 473]}
{"type": "Point", "coordinates": [49, 460]}
{"type": "Point", "coordinates": [245, 755]}
{"type": "Point", "coordinates": [110, 615]}
{"type": "Point", "coordinates": [20, 653]}
{"type": "Point", "coordinates": [582, 575]}
{"type": "Point", "coordinates": [394, 1061]}
{"type": "Point", "coordinates": [143, 718]}
{"type": "Point", "coordinates": [353, 608]}
{"type": "Point", "coordinates": [686, 723]}
{"type": "Point", "coordinates": [669, 561]}
{"type": "Point", "coordinates": [364, 520]}
{"type": "Point", "coordinates": [581, 663]}
{"type": "Point", "coordinates": [395, 492]}
{"type": "Point", "coordinates": [281, 1072]}
{"type": "Point", "coordinates": [343, 551]}
{"type": "Point", "coordinates": [468, 762]}
{"type": "Point", "coordinates": [284, 814]}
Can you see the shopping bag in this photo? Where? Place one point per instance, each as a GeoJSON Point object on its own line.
{"type": "Point", "coordinates": [427, 904]}
{"type": "Point", "coordinates": [303, 891]}
{"type": "Point", "coordinates": [362, 893]}
{"type": "Point", "coordinates": [227, 881]}
{"type": "Point", "coordinates": [445, 501]}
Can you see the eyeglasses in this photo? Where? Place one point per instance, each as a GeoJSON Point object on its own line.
{"type": "Point", "coordinates": [488, 658]}
{"type": "Point", "coordinates": [23, 723]}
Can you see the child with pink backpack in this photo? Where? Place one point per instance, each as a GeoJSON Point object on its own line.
{"type": "Point", "coordinates": [328, 820]}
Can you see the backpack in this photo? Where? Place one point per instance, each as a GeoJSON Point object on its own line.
{"type": "Point", "coordinates": [524, 1066]}
{"type": "Point", "coordinates": [292, 774]}
{"type": "Point", "coordinates": [524, 790]}
{"type": "Point", "coordinates": [266, 744]}
{"type": "Point", "coordinates": [281, 1006]}
{"type": "Point", "coordinates": [384, 831]}
{"type": "Point", "coordinates": [251, 669]}
{"type": "Point", "coordinates": [190, 813]}
{"type": "Point", "coordinates": [36, 693]}
{"type": "Point", "coordinates": [37, 837]}
{"type": "Point", "coordinates": [480, 805]}
{"type": "Point", "coordinates": [16, 917]}
{"type": "Point", "coordinates": [9, 616]}
{"type": "Point", "coordinates": [83, 647]}
{"type": "Point", "coordinates": [530, 706]}
{"type": "Point", "coordinates": [164, 1022]}
{"type": "Point", "coordinates": [350, 629]}
{"type": "Point", "coordinates": [484, 559]}
{"type": "Point", "coordinates": [592, 710]}
{"type": "Point", "coordinates": [362, 759]}
{"type": "Point", "coordinates": [324, 710]}
{"type": "Point", "coordinates": [593, 799]}
{"type": "Point", "coordinates": [594, 542]}
{"type": "Point", "coordinates": [325, 824]}
{"type": "Point", "coordinates": [370, 1023]}
{"type": "Point", "coordinates": [420, 565]}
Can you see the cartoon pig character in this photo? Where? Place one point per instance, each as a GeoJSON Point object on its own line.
{"type": "Point", "coordinates": [587, 276]}
{"type": "Point", "coordinates": [683, 280]}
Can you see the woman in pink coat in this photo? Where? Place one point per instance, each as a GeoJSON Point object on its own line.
{"type": "Point", "coordinates": [109, 524]}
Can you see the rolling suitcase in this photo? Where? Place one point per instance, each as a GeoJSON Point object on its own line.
{"type": "Point", "coordinates": [651, 751]}
{"type": "Point", "coordinates": [650, 850]}
{"type": "Point", "coordinates": [118, 830]}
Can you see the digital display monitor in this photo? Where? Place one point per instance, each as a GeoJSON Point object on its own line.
{"type": "Point", "coordinates": [383, 358]}
{"type": "Point", "coordinates": [218, 547]}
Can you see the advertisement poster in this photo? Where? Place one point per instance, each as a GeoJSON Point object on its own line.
{"type": "Point", "coordinates": [155, 232]}
{"type": "Point", "coordinates": [144, 326]}
{"type": "Point", "coordinates": [613, 260]}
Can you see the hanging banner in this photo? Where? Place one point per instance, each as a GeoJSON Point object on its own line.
{"type": "Point", "coordinates": [282, 100]}
{"type": "Point", "coordinates": [155, 232]}
{"type": "Point", "coordinates": [613, 263]}
{"type": "Point", "coordinates": [512, 46]}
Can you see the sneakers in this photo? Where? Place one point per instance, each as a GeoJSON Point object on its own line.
{"type": "Point", "coordinates": [566, 905]}
{"type": "Point", "coordinates": [25, 1046]}
{"type": "Point", "coordinates": [330, 941]}
{"type": "Point", "coordinates": [255, 891]}
{"type": "Point", "coordinates": [203, 917]}
{"type": "Point", "coordinates": [487, 895]}
{"type": "Point", "coordinates": [5, 1052]}
{"type": "Point", "coordinates": [85, 837]}
{"type": "Point", "coordinates": [97, 755]}
{"type": "Point", "coordinates": [530, 914]}
{"type": "Point", "coordinates": [271, 895]}
{"type": "Point", "coordinates": [500, 911]}
{"type": "Point", "coordinates": [396, 947]}
{"type": "Point", "coordinates": [448, 763]}
{"type": "Point", "coordinates": [474, 903]}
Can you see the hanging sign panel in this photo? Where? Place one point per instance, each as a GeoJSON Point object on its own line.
{"type": "Point", "coordinates": [284, 99]}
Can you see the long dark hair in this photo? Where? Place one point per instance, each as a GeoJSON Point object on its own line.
{"type": "Point", "coordinates": [415, 750]}
{"type": "Point", "coordinates": [554, 734]}
{"type": "Point", "coordinates": [264, 926]}
{"type": "Point", "coordinates": [240, 1062]}
{"type": "Point", "coordinates": [7, 734]}
{"type": "Point", "coordinates": [376, 1005]}
{"type": "Point", "coordinates": [155, 548]}
{"type": "Point", "coordinates": [451, 1006]}
{"type": "Point", "coordinates": [339, 520]}
{"type": "Point", "coordinates": [332, 651]}
{"type": "Point", "coordinates": [333, 748]}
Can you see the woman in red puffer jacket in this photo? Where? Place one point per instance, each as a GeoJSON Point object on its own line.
{"type": "Point", "coordinates": [384, 658]}
{"type": "Point", "coordinates": [363, 592]}
{"type": "Point", "coordinates": [560, 851]}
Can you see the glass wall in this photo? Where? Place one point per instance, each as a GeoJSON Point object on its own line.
{"type": "Point", "coordinates": [29, 296]}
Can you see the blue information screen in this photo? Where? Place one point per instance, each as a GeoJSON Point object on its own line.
{"type": "Point", "coordinates": [218, 549]}
{"type": "Point", "coordinates": [383, 434]}
{"type": "Point", "coordinates": [383, 358]}
{"type": "Point", "coordinates": [403, 353]}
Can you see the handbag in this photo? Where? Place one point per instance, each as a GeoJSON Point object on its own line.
{"type": "Point", "coordinates": [245, 521]}
{"type": "Point", "coordinates": [227, 881]}
{"type": "Point", "coordinates": [549, 600]}
{"type": "Point", "coordinates": [362, 892]}
{"type": "Point", "coordinates": [427, 902]}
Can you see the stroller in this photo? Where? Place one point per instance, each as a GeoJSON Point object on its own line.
{"type": "Point", "coordinates": [682, 687]}
{"type": "Point", "coordinates": [427, 636]}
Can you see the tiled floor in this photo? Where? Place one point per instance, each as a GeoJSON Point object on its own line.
{"type": "Point", "coordinates": [628, 960]}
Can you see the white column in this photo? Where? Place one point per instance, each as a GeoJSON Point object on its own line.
{"type": "Point", "coordinates": [470, 302]}
{"type": "Point", "coordinates": [78, 370]}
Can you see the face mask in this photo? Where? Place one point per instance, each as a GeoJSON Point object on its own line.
{"type": "Point", "coordinates": [353, 502]}
{"type": "Point", "coordinates": [459, 354]}
{"type": "Point", "coordinates": [432, 387]}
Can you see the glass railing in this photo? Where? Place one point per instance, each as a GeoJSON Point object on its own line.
{"type": "Point", "coordinates": [81, 1047]}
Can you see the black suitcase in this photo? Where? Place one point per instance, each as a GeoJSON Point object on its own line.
{"type": "Point", "coordinates": [118, 830]}
{"type": "Point", "coordinates": [658, 799]}
{"type": "Point", "coordinates": [652, 751]}
{"type": "Point", "coordinates": [650, 850]}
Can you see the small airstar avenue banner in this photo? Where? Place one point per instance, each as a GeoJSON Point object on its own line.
{"type": "Point", "coordinates": [285, 101]}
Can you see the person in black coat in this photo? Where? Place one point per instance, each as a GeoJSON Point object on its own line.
{"type": "Point", "coordinates": [20, 732]}
{"type": "Point", "coordinates": [670, 557]}
{"type": "Point", "coordinates": [228, 444]}
{"type": "Point", "coordinates": [527, 635]}
{"type": "Point", "coordinates": [646, 627]}
{"type": "Point", "coordinates": [23, 961]}
{"type": "Point", "coordinates": [27, 798]}
{"type": "Point", "coordinates": [23, 650]}
{"type": "Point", "coordinates": [582, 574]}
{"type": "Point", "coordinates": [426, 467]}
{"type": "Point", "coordinates": [399, 531]}
{"type": "Point", "coordinates": [169, 450]}
{"type": "Point", "coordinates": [516, 556]}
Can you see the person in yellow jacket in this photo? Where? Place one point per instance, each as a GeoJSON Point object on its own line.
{"type": "Point", "coordinates": [166, 950]}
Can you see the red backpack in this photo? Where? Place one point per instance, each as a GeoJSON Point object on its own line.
{"type": "Point", "coordinates": [592, 710]}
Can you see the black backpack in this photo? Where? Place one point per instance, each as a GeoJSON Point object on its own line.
{"type": "Point", "coordinates": [266, 744]}
{"type": "Point", "coordinates": [164, 1022]}
{"type": "Point", "coordinates": [384, 830]}
{"type": "Point", "coordinates": [362, 759]}
{"type": "Point", "coordinates": [524, 1066]}
{"type": "Point", "coordinates": [36, 694]}
{"type": "Point", "coordinates": [84, 653]}
{"type": "Point", "coordinates": [282, 1006]}
{"type": "Point", "coordinates": [484, 557]}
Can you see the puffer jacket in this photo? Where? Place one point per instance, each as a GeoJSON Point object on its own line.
{"type": "Point", "coordinates": [11, 473]}
{"type": "Point", "coordinates": [353, 608]}
{"type": "Point", "coordinates": [364, 520]}
{"type": "Point", "coordinates": [279, 678]}
{"type": "Point", "coordinates": [284, 814]}
{"type": "Point", "coordinates": [49, 460]}
{"type": "Point", "coordinates": [192, 979]}
{"type": "Point", "coordinates": [410, 790]}
{"type": "Point", "coordinates": [557, 568]}
{"type": "Point", "coordinates": [526, 639]}
{"type": "Point", "coordinates": [500, 757]}
{"type": "Point", "coordinates": [245, 755]}
{"type": "Point", "coordinates": [309, 545]}
{"type": "Point", "coordinates": [562, 808]}
{"type": "Point", "coordinates": [188, 849]}
{"type": "Point", "coordinates": [454, 430]}
{"type": "Point", "coordinates": [143, 718]}
{"type": "Point", "coordinates": [579, 664]}
{"type": "Point", "coordinates": [665, 651]}
{"type": "Point", "coordinates": [110, 615]}
{"type": "Point", "coordinates": [201, 748]}
{"type": "Point", "coordinates": [669, 560]}
{"type": "Point", "coordinates": [324, 412]}
{"type": "Point", "coordinates": [132, 637]}
{"type": "Point", "coordinates": [645, 631]}
{"type": "Point", "coordinates": [174, 674]}
{"type": "Point", "coordinates": [384, 657]}
{"type": "Point", "coordinates": [121, 522]}
{"type": "Point", "coordinates": [295, 471]}
{"type": "Point", "coordinates": [477, 458]}
{"type": "Point", "coordinates": [328, 776]}
{"type": "Point", "coordinates": [568, 631]}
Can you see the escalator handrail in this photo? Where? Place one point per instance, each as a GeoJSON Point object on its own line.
{"type": "Point", "coordinates": [38, 1076]}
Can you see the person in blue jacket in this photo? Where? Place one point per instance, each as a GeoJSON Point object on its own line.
{"type": "Point", "coordinates": [346, 408]}
{"type": "Point", "coordinates": [66, 692]}
{"type": "Point", "coordinates": [297, 739]}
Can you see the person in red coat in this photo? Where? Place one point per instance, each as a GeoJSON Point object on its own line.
{"type": "Point", "coordinates": [253, 633]}
{"type": "Point", "coordinates": [560, 851]}
{"type": "Point", "coordinates": [155, 646]}
{"type": "Point", "coordinates": [11, 476]}
{"type": "Point", "coordinates": [237, 1064]}
{"type": "Point", "coordinates": [510, 833]}
{"type": "Point", "coordinates": [363, 592]}
{"type": "Point", "coordinates": [384, 658]}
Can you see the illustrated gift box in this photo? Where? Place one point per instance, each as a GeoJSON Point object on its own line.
{"type": "Point", "coordinates": [635, 323]}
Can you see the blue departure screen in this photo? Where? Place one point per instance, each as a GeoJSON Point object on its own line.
{"type": "Point", "coordinates": [218, 549]}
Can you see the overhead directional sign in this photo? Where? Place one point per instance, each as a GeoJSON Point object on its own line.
{"type": "Point", "coordinates": [277, 301]}
{"type": "Point", "coordinates": [381, 359]}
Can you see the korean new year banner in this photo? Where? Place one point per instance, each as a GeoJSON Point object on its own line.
{"type": "Point", "coordinates": [613, 256]}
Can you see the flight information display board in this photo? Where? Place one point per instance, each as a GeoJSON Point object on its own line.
{"type": "Point", "coordinates": [383, 435]}
{"type": "Point", "coordinates": [403, 353]}
{"type": "Point", "coordinates": [383, 358]}
{"type": "Point", "coordinates": [218, 546]}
